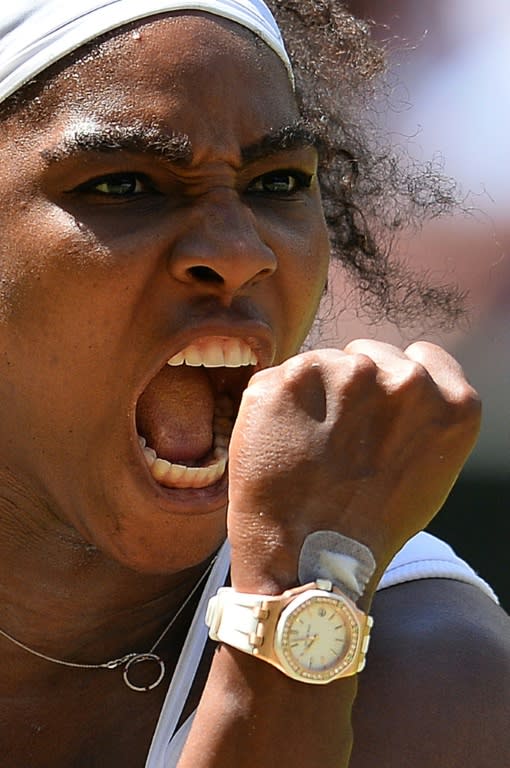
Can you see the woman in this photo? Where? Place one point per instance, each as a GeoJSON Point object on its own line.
{"type": "Point", "coordinates": [164, 250]}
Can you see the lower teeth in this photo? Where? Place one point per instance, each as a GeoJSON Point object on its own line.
{"type": "Point", "coordinates": [180, 476]}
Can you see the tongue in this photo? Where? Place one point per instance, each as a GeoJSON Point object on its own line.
{"type": "Point", "coordinates": [175, 414]}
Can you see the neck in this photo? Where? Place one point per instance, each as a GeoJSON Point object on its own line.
{"type": "Point", "coordinates": [64, 598]}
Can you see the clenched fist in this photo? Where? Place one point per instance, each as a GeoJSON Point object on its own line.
{"type": "Point", "coordinates": [367, 441]}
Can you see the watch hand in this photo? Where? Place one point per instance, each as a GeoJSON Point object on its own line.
{"type": "Point", "coordinates": [307, 639]}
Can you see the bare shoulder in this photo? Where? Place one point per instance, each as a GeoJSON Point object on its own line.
{"type": "Point", "coordinates": [436, 689]}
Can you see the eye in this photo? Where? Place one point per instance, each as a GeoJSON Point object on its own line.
{"type": "Point", "coordinates": [280, 183]}
{"type": "Point", "coordinates": [116, 185]}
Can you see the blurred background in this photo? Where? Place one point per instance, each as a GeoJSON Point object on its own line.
{"type": "Point", "coordinates": [452, 104]}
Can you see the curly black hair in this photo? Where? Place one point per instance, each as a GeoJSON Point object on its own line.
{"type": "Point", "coordinates": [370, 192]}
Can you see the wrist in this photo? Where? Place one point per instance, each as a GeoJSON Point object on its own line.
{"type": "Point", "coordinates": [270, 572]}
{"type": "Point", "coordinates": [281, 564]}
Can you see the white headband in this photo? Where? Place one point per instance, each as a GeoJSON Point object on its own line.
{"type": "Point", "coordinates": [36, 33]}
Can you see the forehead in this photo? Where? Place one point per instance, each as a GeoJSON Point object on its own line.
{"type": "Point", "coordinates": [189, 73]}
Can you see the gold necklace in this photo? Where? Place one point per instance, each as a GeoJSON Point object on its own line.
{"type": "Point", "coordinates": [129, 660]}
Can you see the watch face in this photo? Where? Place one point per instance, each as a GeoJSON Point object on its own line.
{"type": "Point", "coordinates": [316, 638]}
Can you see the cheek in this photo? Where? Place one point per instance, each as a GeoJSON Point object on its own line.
{"type": "Point", "coordinates": [311, 254]}
{"type": "Point", "coordinates": [40, 249]}
{"type": "Point", "coordinates": [307, 300]}
{"type": "Point", "coordinates": [304, 273]}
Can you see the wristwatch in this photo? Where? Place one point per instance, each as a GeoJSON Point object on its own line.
{"type": "Point", "coordinates": [312, 633]}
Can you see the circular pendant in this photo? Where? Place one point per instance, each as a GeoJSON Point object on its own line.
{"type": "Point", "coordinates": [138, 659]}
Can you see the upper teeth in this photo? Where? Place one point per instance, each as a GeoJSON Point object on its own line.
{"type": "Point", "coordinates": [216, 352]}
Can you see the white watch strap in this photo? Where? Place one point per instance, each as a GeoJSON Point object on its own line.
{"type": "Point", "coordinates": [233, 617]}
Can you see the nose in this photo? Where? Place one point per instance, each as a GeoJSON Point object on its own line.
{"type": "Point", "coordinates": [219, 248]}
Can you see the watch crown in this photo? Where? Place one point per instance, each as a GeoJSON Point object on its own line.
{"type": "Point", "coordinates": [366, 638]}
{"type": "Point", "coordinates": [325, 584]}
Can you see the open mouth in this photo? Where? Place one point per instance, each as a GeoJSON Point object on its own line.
{"type": "Point", "coordinates": [186, 414]}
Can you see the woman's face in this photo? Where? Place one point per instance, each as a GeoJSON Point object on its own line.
{"type": "Point", "coordinates": [164, 204]}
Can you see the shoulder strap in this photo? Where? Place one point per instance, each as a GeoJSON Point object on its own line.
{"type": "Point", "coordinates": [427, 557]}
{"type": "Point", "coordinates": [187, 666]}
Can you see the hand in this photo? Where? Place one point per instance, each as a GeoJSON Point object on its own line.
{"type": "Point", "coordinates": [367, 441]}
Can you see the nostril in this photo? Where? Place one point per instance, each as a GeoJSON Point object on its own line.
{"type": "Point", "coordinates": [205, 275]}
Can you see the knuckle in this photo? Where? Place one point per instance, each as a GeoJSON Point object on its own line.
{"type": "Point", "coordinates": [424, 349]}
{"type": "Point", "coordinates": [261, 382]}
{"type": "Point", "coordinates": [314, 365]}
{"type": "Point", "coordinates": [411, 376]}
{"type": "Point", "coordinates": [460, 414]}
{"type": "Point", "coordinates": [355, 346]}
{"type": "Point", "coordinates": [299, 364]}
{"type": "Point", "coordinates": [467, 402]}
{"type": "Point", "coordinates": [356, 373]}
{"type": "Point", "coordinates": [361, 365]}
{"type": "Point", "coordinates": [258, 380]}
{"type": "Point", "coordinates": [416, 373]}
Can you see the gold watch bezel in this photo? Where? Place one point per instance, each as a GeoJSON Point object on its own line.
{"type": "Point", "coordinates": [346, 662]}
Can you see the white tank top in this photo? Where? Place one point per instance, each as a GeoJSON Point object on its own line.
{"type": "Point", "coordinates": [423, 557]}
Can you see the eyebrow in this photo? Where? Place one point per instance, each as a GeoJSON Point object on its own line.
{"type": "Point", "coordinates": [298, 135]}
{"type": "Point", "coordinates": [175, 148]}
{"type": "Point", "coordinates": [138, 139]}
